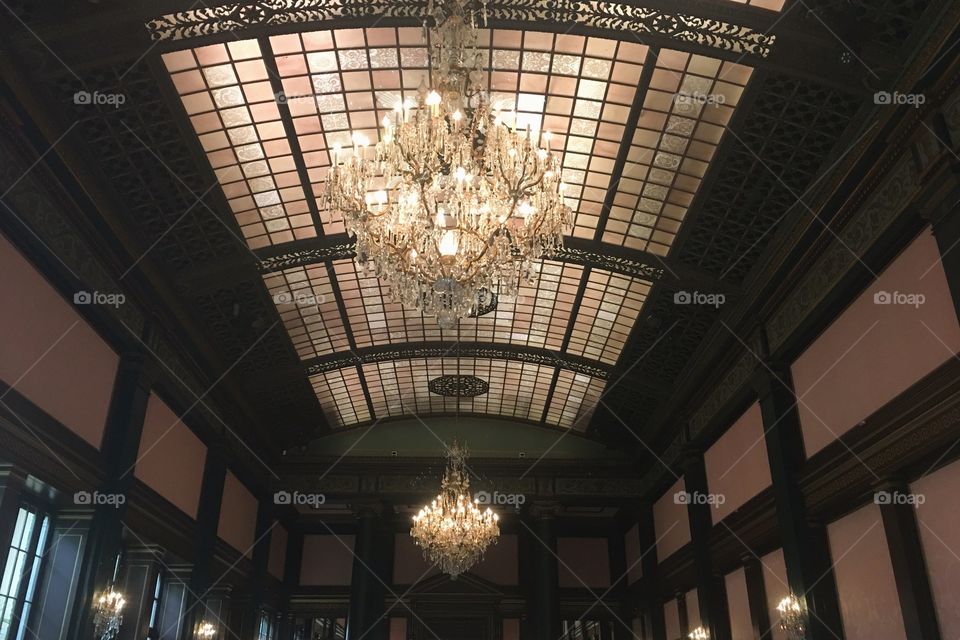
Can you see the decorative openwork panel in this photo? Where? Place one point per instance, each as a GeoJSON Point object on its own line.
{"type": "Point", "coordinates": [341, 396]}
{"type": "Point", "coordinates": [459, 386]}
{"type": "Point", "coordinates": [772, 159]}
{"type": "Point", "coordinates": [690, 100]}
{"type": "Point", "coordinates": [574, 400]}
{"type": "Point", "coordinates": [614, 16]}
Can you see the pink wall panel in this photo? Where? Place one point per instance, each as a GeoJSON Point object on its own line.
{"type": "Point", "coordinates": [50, 354]}
{"type": "Point", "coordinates": [511, 629]}
{"type": "Point", "coordinates": [693, 609]}
{"type": "Point", "coordinates": [170, 460]}
{"type": "Point", "coordinates": [741, 625]}
{"type": "Point", "coordinates": [278, 551]}
{"type": "Point", "coordinates": [583, 562]}
{"type": "Point", "coordinates": [671, 619]}
{"type": "Point", "coordinates": [409, 567]}
{"type": "Point", "coordinates": [775, 584]}
{"type": "Point", "coordinates": [500, 565]}
{"type": "Point", "coordinates": [398, 629]}
{"type": "Point", "coordinates": [238, 516]}
{"type": "Point", "coordinates": [631, 544]}
{"type": "Point", "coordinates": [873, 352]}
{"type": "Point", "coordinates": [869, 604]}
{"type": "Point", "coordinates": [327, 560]}
{"type": "Point", "coordinates": [939, 522]}
{"type": "Point", "coordinates": [737, 466]}
{"type": "Point", "coordinates": [670, 522]}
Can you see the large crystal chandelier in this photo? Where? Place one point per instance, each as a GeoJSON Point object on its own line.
{"type": "Point", "coordinates": [458, 201]}
{"type": "Point", "coordinates": [452, 531]}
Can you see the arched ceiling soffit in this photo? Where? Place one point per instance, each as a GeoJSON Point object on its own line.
{"type": "Point", "coordinates": [637, 126]}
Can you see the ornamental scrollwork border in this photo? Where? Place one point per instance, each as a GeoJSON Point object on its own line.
{"type": "Point", "coordinates": [344, 250]}
{"type": "Point", "coordinates": [415, 352]}
{"type": "Point", "coordinates": [615, 17]}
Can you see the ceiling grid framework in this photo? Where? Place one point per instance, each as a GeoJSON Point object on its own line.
{"type": "Point", "coordinates": [271, 151]}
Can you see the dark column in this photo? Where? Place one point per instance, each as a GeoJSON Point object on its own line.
{"type": "Point", "coordinates": [293, 560]}
{"type": "Point", "coordinates": [649, 563]}
{"type": "Point", "coordinates": [757, 597]}
{"type": "Point", "coordinates": [141, 566]}
{"type": "Point", "coordinates": [946, 230]}
{"type": "Point", "coordinates": [208, 519]}
{"type": "Point", "coordinates": [909, 566]}
{"type": "Point", "coordinates": [710, 594]}
{"type": "Point", "coordinates": [121, 444]}
{"type": "Point", "coordinates": [367, 590]}
{"type": "Point", "coordinates": [544, 591]}
{"type": "Point", "coordinates": [11, 490]}
{"type": "Point", "coordinates": [683, 615]}
{"type": "Point", "coordinates": [261, 558]}
{"type": "Point", "coordinates": [805, 548]}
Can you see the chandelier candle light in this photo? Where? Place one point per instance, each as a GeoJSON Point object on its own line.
{"type": "Point", "coordinates": [452, 531]}
{"type": "Point", "coordinates": [792, 617]}
{"type": "Point", "coordinates": [457, 202]}
{"type": "Point", "coordinates": [108, 616]}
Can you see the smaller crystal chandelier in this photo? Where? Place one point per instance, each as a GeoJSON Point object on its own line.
{"type": "Point", "coordinates": [451, 530]}
{"type": "Point", "coordinates": [792, 618]}
{"type": "Point", "coordinates": [699, 634]}
{"type": "Point", "coordinates": [108, 614]}
{"type": "Point", "coordinates": [206, 630]}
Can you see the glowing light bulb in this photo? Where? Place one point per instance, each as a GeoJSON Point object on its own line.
{"type": "Point", "coordinates": [526, 209]}
{"type": "Point", "coordinates": [449, 243]}
{"type": "Point", "coordinates": [385, 122]}
{"type": "Point", "coordinates": [433, 99]}
{"type": "Point", "coordinates": [360, 140]}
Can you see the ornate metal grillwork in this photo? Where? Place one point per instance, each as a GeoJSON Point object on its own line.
{"type": "Point", "coordinates": [613, 16]}
{"type": "Point", "coordinates": [486, 307]}
{"type": "Point", "coordinates": [454, 386]}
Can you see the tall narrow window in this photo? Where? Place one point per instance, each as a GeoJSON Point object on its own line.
{"type": "Point", "coordinates": [267, 629]}
{"type": "Point", "coordinates": [153, 631]}
{"type": "Point", "coordinates": [21, 574]}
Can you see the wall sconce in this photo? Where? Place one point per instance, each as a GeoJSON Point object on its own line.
{"type": "Point", "coordinates": [699, 634]}
{"type": "Point", "coordinates": [792, 617]}
{"type": "Point", "coordinates": [108, 616]}
{"type": "Point", "coordinates": [206, 631]}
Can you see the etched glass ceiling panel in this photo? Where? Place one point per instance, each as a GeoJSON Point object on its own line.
{"type": "Point", "coordinates": [517, 389]}
{"type": "Point", "coordinates": [308, 309]}
{"type": "Point", "coordinates": [341, 82]}
{"type": "Point", "coordinates": [610, 306]}
{"type": "Point", "coordinates": [686, 109]}
{"type": "Point", "coordinates": [538, 317]}
{"type": "Point", "coordinates": [341, 397]}
{"type": "Point", "coordinates": [574, 400]}
{"type": "Point", "coordinates": [226, 92]}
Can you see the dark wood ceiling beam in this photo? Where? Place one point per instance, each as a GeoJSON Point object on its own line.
{"type": "Point", "coordinates": [630, 262]}
{"type": "Point", "coordinates": [433, 349]}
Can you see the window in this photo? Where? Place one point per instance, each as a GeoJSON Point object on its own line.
{"type": "Point", "coordinates": [22, 571]}
{"type": "Point", "coordinates": [153, 631]}
{"type": "Point", "coordinates": [267, 630]}
{"type": "Point", "coordinates": [586, 630]}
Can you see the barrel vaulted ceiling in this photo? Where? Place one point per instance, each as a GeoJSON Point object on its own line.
{"type": "Point", "coordinates": [686, 130]}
